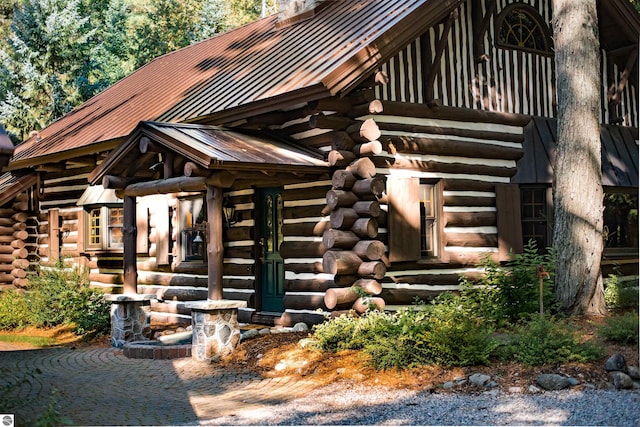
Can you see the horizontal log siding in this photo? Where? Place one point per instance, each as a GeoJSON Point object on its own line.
{"type": "Point", "coordinates": [510, 81]}
{"type": "Point", "coordinates": [304, 223]}
{"type": "Point", "coordinates": [469, 211]}
{"type": "Point", "coordinates": [179, 282]}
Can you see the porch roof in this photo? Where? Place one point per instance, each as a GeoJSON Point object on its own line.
{"type": "Point", "coordinates": [209, 147]}
{"type": "Point", "coordinates": [619, 154]}
{"type": "Point", "coordinates": [11, 185]}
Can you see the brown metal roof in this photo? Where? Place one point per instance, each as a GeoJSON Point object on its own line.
{"type": "Point", "coordinates": [619, 154]}
{"type": "Point", "coordinates": [251, 67]}
{"type": "Point", "coordinates": [11, 185]}
{"type": "Point", "coordinates": [212, 148]}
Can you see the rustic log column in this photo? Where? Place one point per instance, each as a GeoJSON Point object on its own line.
{"type": "Point", "coordinates": [129, 240]}
{"type": "Point", "coordinates": [214, 242]}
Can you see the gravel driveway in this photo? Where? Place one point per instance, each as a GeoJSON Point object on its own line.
{"type": "Point", "coordinates": [359, 405]}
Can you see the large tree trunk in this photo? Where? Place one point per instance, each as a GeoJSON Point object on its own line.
{"type": "Point", "coordinates": [577, 185]}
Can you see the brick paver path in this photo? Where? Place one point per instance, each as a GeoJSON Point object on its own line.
{"type": "Point", "coordinates": [102, 387]}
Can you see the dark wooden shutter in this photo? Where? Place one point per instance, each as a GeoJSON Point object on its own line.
{"type": "Point", "coordinates": [509, 220]}
{"type": "Point", "coordinates": [404, 218]}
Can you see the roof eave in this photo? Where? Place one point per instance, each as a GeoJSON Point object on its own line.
{"type": "Point", "coordinates": [32, 162]}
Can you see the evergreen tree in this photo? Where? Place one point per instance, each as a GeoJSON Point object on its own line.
{"type": "Point", "coordinates": [43, 63]}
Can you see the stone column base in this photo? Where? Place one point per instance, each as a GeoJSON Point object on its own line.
{"type": "Point", "coordinates": [216, 331]}
{"type": "Point", "coordinates": [130, 320]}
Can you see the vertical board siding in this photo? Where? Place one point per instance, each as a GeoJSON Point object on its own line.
{"type": "Point", "coordinates": [510, 81]}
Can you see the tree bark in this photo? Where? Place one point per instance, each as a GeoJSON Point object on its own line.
{"type": "Point", "coordinates": [578, 194]}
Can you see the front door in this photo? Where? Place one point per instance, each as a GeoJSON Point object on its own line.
{"type": "Point", "coordinates": [272, 277]}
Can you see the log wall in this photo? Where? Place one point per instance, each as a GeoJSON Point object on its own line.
{"type": "Point", "coordinates": [469, 151]}
{"type": "Point", "coordinates": [16, 243]}
{"type": "Point", "coordinates": [509, 81]}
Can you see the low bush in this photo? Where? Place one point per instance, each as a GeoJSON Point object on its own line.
{"type": "Point", "coordinates": [56, 296]}
{"type": "Point", "coordinates": [621, 294]}
{"type": "Point", "coordinates": [15, 312]}
{"type": "Point", "coordinates": [621, 329]}
{"type": "Point", "coordinates": [420, 335]}
{"type": "Point", "coordinates": [545, 340]}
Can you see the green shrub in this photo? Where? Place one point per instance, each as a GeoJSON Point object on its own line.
{"type": "Point", "coordinates": [545, 340]}
{"type": "Point", "coordinates": [56, 296]}
{"type": "Point", "coordinates": [422, 335]}
{"type": "Point", "coordinates": [15, 312]}
{"type": "Point", "coordinates": [621, 294]}
{"type": "Point", "coordinates": [621, 329]}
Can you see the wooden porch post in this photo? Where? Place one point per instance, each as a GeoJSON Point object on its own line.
{"type": "Point", "coordinates": [214, 242]}
{"type": "Point", "coordinates": [129, 240]}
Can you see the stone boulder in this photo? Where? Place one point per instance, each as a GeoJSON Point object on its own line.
{"type": "Point", "coordinates": [553, 382]}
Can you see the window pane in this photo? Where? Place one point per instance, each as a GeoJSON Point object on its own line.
{"type": "Point", "coordinates": [95, 234]}
{"type": "Point", "coordinates": [193, 228]}
{"type": "Point", "coordinates": [428, 229]}
{"type": "Point", "coordinates": [116, 219]}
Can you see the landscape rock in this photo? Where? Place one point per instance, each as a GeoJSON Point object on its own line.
{"type": "Point", "coordinates": [534, 389]}
{"type": "Point", "coordinates": [633, 372]}
{"type": "Point", "coordinates": [264, 331]}
{"type": "Point", "coordinates": [448, 385]}
{"type": "Point", "coordinates": [616, 363]}
{"type": "Point", "coordinates": [553, 382]}
{"type": "Point", "coordinates": [300, 327]}
{"type": "Point", "coordinates": [479, 379]}
{"type": "Point", "coordinates": [621, 381]}
{"type": "Point", "coordinates": [251, 333]}
{"type": "Point", "coordinates": [573, 381]}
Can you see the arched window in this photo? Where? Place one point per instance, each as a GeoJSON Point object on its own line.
{"type": "Point", "coordinates": [520, 26]}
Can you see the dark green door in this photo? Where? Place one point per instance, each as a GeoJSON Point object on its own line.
{"type": "Point", "coordinates": [272, 278]}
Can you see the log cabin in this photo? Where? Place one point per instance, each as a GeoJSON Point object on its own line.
{"type": "Point", "coordinates": [335, 148]}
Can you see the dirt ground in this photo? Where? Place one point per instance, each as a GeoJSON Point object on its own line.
{"type": "Point", "coordinates": [280, 354]}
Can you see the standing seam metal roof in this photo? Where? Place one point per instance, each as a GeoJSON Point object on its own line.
{"type": "Point", "coordinates": [252, 63]}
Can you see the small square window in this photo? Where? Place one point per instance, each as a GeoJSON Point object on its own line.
{"type": "Point", "coordinates": [105, 228]}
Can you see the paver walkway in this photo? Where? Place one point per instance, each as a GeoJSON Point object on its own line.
{"type": "Point", "coordinates": [100, 386]}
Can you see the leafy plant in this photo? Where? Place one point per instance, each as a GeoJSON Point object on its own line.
{"type": "Point", "coordinates": [545, 340]}
{"type": "Point", "coordinates": [14, 310]}
{"type": "Point", "coordinates": [620, 294]}
{"type": "Point", "coordinates": [56, 296]}
{"type": "Point", "coordinates": [621, 329]}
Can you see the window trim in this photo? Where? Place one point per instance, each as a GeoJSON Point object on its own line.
{"type": "Point", "coordinates": [404, 233]}
{"type": "Point", "coordinates": [105, 218]}
{"type": "Point", "coordinates": [202, 229]}
{"type": "Point", "coordinates": [536, 18]}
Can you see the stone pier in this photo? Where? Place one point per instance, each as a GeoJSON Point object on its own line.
{"type": "Point", "coordinates": [130, 319]}
{"type": "Point", "coordinates": [216, 331]}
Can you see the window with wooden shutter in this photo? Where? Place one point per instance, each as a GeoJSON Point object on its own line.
{"type": "Point", "coordinates": [415, 220]}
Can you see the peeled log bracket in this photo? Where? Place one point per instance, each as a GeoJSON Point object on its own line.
{"type": "Point", "coordinates": [342, 180]}
{"type": "Point", "coordinates": [371, 250]}
{"type": "Point", "coordinates": [367, 208]}
{"type": "Point", "coordinates": [372, 269]}
{"type": "Point", "coordinates": [370, 286]}
{"type": "Point", "coordinates": [361, 305]}
{"type": "Point", "coordinates": [366, 131]}
{"type": "Point", "coordinates": [340, 262]}
{"type": "Point", "coordinates": [368, 148]}
{"type": "Point", "coordinates": [338, 158]}
{"type": "Point", "coordinates": [342, 141]}
{"type": "Point", "coordinates": [334, 297]}
{"type": "Point", "coordinates": [339, 239]}
{"type": "Point", "coordinates": [343, 218]}
{"type": "Point", "coordinates": [362, 168]}
{"type": "Point", "coordinates": [365, 187]}
{"type": "Point", "coordinates": [340, 198]}
{"type": "Point", "coordinates": [365, 227]}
